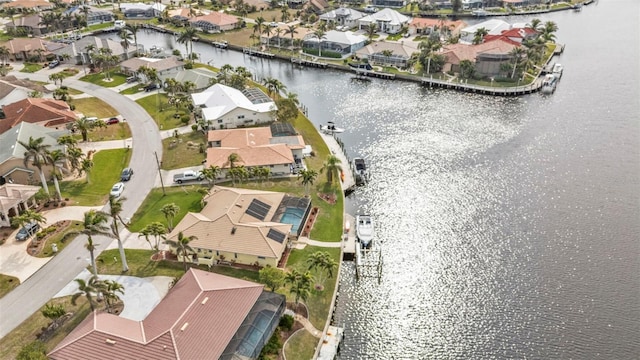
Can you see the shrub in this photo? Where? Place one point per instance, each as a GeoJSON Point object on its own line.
{"type": "Point", "coordinates": [286, 322]}
{"type": "Point", "coordinates": [34, 350]}
{"type": "Point", "coordinates": [272, 347]}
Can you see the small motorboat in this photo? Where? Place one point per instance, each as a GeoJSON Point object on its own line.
{"type": "Point", "coordinates": [361, 172]}
{"type": "Point", "coordinates": [557, 70]}
{"type": "Point", "coordinates": [549, 84]}
{"type": "Point", "coordinates": [331, 128]}
{"type": "Point", "coordinates": [364, 230]}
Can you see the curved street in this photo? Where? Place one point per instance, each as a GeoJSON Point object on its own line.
{"type": "Point", "coordinates": [32, 294]}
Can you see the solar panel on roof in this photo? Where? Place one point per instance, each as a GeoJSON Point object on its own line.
{"type": "Point", "coordinates": [258, 209]}
{"type": "Point", "coordinates": [276, 235]}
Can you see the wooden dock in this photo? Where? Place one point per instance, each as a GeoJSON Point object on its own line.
{"type": "Point", "coordinates": [257, 53]}
{"type": "Point", "coordinates": [487, 90]}
{"type": "Point", "coordinates": [375, 74]}
{"type": "Point", "coordinates": [309, 63]}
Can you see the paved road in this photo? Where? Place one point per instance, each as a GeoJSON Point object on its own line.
{"type": "Point", "coordinates": [27, 298]}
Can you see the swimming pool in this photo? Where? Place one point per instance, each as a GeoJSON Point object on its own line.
{"type": "Point", "coordinates": [292, 216]}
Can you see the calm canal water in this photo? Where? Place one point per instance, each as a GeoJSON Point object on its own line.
{"type": "Point", "coordinates": [509, 227]}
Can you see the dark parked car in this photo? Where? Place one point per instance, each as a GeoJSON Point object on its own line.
{"type": "Point", "coordinates": [151, 87]}
{"type": "Point", "coordinates": [27, 230]}
{"type": "Point", "coordinates": [113, 120]}
{"type": "Point", "coordinates": [132, 79]}
{"type": "Point", "coordinates": [126, 174]}
{"type": "Point", "coordinates": [53, 64]}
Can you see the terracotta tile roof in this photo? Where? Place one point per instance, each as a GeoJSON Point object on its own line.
{"type": "Point", "coordinates": [217, 18]}
{"type": "Point", "coordinates": [423, 23]}
{"type": "Point", "coordinates": [226, 209]}
{"type": "Point", "coordinates": [197, 319]}
{"type": "Point", "coordinates": [254, 146]}
{"type": "Point", "coordinates": [46, 112]}
{"type": "Point", "coordinates": [29, 4]}
{"type": "Point", "coordinates": [27, 44]}
{"type": "Point", "coordinates": [455, 53]}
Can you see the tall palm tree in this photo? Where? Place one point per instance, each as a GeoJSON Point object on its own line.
{"type": "Point", "coordinates": [4, 54]}
{"type": "Point", "coordinates": [211, 173]}
{"type": "Point", "coordinates": [291, 30]}
{"type": "Point", "coordinates": [88, 289]}
{"type": "Point", "coordinates": [170, 211]}
{"type": "Point", "coordinates": [331, 166]}
{"type": "Point", "coordinates": [308, 176]}
{"type": "Point", "coordinates": [126, 37]}
{"type": "Point", "coordinates": [267, 32]}
{"type": "Point", "coordinates": [115, 209]}
{"type": "Point", "coordinates": [274, 86]}
{"type": "Point", "coordinates": [278, 33]}
{"type": "Point", "coordinates": [548, 31]}
{"type": "Point", "coordinates": [320, 35]}
{"type": "Point", "coordinates": [75, 157]}
{"type": "Point", "coordinates": [57, 158]}
{"type": "Point", "coordinates": [84, 126]}
{"type": "Point", "coordinates": [133, 28]}
{"type": "Point", "coordinates": [321, 261]}
{"type": "Point", "coordinates": [85, 167]}
{"type": "Point", "coordinates": [535, 24]}
{"type": "Point", "coordinates": [181, 244]}
{"type": "Point", "coordinates": [478, 36]}
{"type": "Point", "coordinates": [516, 56]}
{"type": "Point", "coordinates": [301, 284]}
{"type": "Point", "coordinates": [38, 154]}
{"type": "Point", "coordinates": [94, 223]}
{"type": "Point", "coordinates": [186, 37]}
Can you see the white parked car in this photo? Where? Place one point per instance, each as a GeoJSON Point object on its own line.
{"type": "Point", "coordinates": [117, 189]}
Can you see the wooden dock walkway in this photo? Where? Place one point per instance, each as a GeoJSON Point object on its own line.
{"type": "Point", "coordinates": [487, 90]}
{"type": "Point", "coordinates": [349, 178]}
{"type": "Point", "coordinates": [257, 53]}
{"type": "Point", "coordinates": [310, 63]}
{"type": "Point", "coordinates": [375, 74]}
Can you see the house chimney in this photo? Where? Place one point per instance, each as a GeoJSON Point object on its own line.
{"type": "Point", "coordinates": [233, 230]}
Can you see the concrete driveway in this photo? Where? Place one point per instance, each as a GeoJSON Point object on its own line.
{"type": "Point", "coordinates": [141, 295]}
{"type": "Point", "coordinates": [27, 298]}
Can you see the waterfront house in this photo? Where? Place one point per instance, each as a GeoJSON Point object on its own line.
{"type": "Point", "coordinates": [341, 42]}
{"type": "Point", "coordinates": [343, 16]}
{"type": "Point", "coordinates": [46, 112]}
{"type": "Point", "coordinates": [514, 35]}
{"type": "Point", "coordinates": [256, 147]}
{"type": "Point", "coordinates": [201, 77]}
{"type": "Point", "coordinates": [165, 67]}
{"type": "Point", "coordinates": [29, 24]}
{"type": "Point", "coordinates": [22, 49]}
{"type": "Point", "coordinates": [224, 107]}
{"type": "Point", "coordinates": [215, 22]}
{"type": "Point", "coordinates": [426, 26]}
{"type": "Point", "coordinates": [77, 50]}
{"type": "Point", "coordinates": [243, 226]}
{"type": "Point", "coordinates": [141, 11]}
{"type": "Point", "coordinates": [203, 316]}
{"type": "Point", "coordinates": [12, 167]}
{"type": "Point", "coordinates": [487, 57]}
{"type": "Point", "coordinates": [29, 5]}
{"type": "Point", "coordinates": [377, 53]}
{"type": "Point", "coordinates": [388, 21]}
{"type": "Point", "coordinates": [94, 15]}
{"type": "Point", "coordinates": [493, 27]}
{"type": "Point", "coordinates": [14, 199]}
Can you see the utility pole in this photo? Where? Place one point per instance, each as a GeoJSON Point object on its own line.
{"type": "Point", "coordinates": [160, 173]}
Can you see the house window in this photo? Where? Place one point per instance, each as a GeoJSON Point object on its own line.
{"type": "Point", "coordinates": [220, 121]}
{"type": "Point", "coordinates": [240, 117]}
{"type": "Point", "coordinates": [271, 166]}
{"type": "Point", "coordinates": [217, 253]}
{"type": "Point", "coordinates": [260, 257]}
{"type": "Point", "coordinates": [199, 250]}
{"type": "Point", "coordinates": [210, 251]}
{"type": "Point", "coordinates": [235, 255]}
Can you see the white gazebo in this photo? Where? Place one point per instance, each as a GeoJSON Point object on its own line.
{"type": "Point", "coordinates": [14, 198]}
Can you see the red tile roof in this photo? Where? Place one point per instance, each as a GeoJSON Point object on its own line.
{"type": "Point", "coordinates": [196, 320]}
{"type": "Point", "coordinates": [46, 112]}
{"type": "Point", "coordinates": [455, 53]}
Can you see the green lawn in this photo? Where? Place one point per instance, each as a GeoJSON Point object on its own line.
{"type": "Point", "coordinates": [31, 67]}
{"type": "Point", "coordinates": [133, 90]}
{"type": "Point", "coordinates": [301, 346]}
{"type": "Point", "coordinates": [107, 165]}
{"type": "Point", "coordinates": [93, 106]}
{"type": "Point", "coordinates": [74, 91]}
{"type": "Point", "coordinates": [186, 197]}
{"type": "Point", "coordinates": [99, 26]}
{"type": "Point", "coordinates": [139, 262]}
{"type": "Point", "coordinates": [319, 301]}
{"type": "Point", "coordinates": [117, 131]}
{"type": "Point", "coordinates": [26, 332]}
{"type": "Point", "coordinates": [183, 151]}
{"type": "Point", "coordinates": [7, 283]}
{"type": "Point", "coordinates": [61, 240]}
{"type": "Point", "coordinates": [163, 115]}
{"type": "Point", "coordinates": [99, 79]}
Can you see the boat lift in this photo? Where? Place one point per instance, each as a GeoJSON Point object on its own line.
{"type": "Point", "coordinates": [369, 261]}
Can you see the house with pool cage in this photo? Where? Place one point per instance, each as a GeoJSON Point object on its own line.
{"type": "Point", "coordinates": [243, 226]}
{"type": "Point", "coordinates": [204, 316]}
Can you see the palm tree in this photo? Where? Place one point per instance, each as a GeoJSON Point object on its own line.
{"type": "Point", "coordinates": [321, 261]}
{"type": "Point", "coordinates": [291, 30]}
{"type": "Point", "coordinates": [548, 31]}
{"type": "Point", "coordinates": [274, 86]}
{"type": "Point", "coordinates": [478, 36]}
{"type": "Point", "coordinates": [75, 157]}
{"type": "Point", "coordinates": [115, 209]}
{"type": "Point", "coordinates": [158, 231]}
{"type": "Point", "coordinates": [84, 126]}
{"type": "Point", "coordinates": [181, 244]}
{"type": "Point", "coordinates": [170, 211]}
{"type": "Point", "coordinates": [516, 56]}
{"type": "Point", "coordinates": [186, 37]}
{"type": "Point", "coordinates": [57, 158]}
{"type": "Point", "coordinates": [55, 77]}
{"type": "Point", "coordinates": [308, 176]}
{"type": "Point", "coordinates": [38, 153]}
{"type": "Point", "coordinates": [331, 166]}
{"type": "Point", "coordinates": [133, 28]}
{"type": "Point", "coordinates": [267, 32]}
{"type": "Point", "coordinates": [126, 37]}
{"type": "Point", "coordinates": [85, 167]}
{"type": "Point", "coordinates": [10, 12]}
{"type": "Point", "coordinates": [319, 34]}
{"type": "Point", "coordinates": [233, 159]}
{"type": "Point", "coordinates": [278, 33]}
{"type": "Point", "coordinates": [372, 29]}
{"type": "Point", "coordinates": [301, 284]}
{"type": "Point", "coordinates": [211, 173]}
{"type": "Point", "coordinates": [4, 54]}
{"type": "Point", "coordinates": [88, 289]}
{"type": "Point", "coordinates": [28, 216]}
{"type": "Point", "coordinates": [535, 24]}
{"type": "Point", "coordinates": [94, 224]}
{"type": "Point", "coordinates": [109, 289]}
{"type": "Point", "coordinates": [285, 13]}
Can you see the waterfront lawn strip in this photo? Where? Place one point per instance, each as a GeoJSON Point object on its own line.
{"type": "Point", "coordinates": [93, 106]}
{"type": "Point", "coordinates": [107, 165]}
{"type": "Point", "coordinates": [7, 283]}
{"type": "Point", "coordinates": [164, 115]}
{"type": "Point", "coordinates": [140, 264]}
{"type": "Point", "coordinates": [186, 197]}
{"type": "Point", "coordinates": [27, 332]}
{"type": "Point", "coordinates": [301, 345]}
{"type": "Point", "coordinates": [185, 150]}
{"type": "Point", "coordinates": [318, 301]}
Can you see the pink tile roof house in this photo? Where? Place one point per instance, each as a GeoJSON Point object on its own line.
{"type": "Point", "coordinates": [204, 316]}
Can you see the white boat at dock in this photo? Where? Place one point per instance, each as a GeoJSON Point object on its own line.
{"type": "Point", "coordinates": [557, 70]}
{"type": "Point", "coordinates": [549, 84]}
{"type": "Point", "coordinates": [364, 230]}
{"type": "Point", "coordinates": [360, 170]}
{"type": "Point", "coordinates": [331, 128]}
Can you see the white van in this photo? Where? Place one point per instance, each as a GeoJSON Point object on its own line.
{"type": "Point", "coordinates": [119, 24]}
